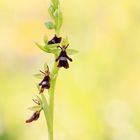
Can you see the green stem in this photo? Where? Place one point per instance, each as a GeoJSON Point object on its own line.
{"type": "Point", "coordinates": [51, 93]}
{"type": "Point", "coordinates": [52, 88]}
{"type": "Point", "coordinates": [47, 116]}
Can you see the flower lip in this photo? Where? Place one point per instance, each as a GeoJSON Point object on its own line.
{"type": "Point", "coordinates": [62, 58]}
{"type": "Point", "coordinates": [34, 117]}
{"type": "Point", "coordinates": [55, 40]}
{"type": "Point", "coordinates": [45, 83]}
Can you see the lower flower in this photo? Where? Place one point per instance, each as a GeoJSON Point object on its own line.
{"type": "Point", "coordinates": [34, 117]}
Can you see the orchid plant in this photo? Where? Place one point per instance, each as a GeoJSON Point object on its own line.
{"type": "Point", "coordinates": [58, 46]}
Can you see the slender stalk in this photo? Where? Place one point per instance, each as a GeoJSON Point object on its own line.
{"type": "Point", "coordinates": [47, 115]}
{"type": "Point", "coordinates": [52, 89]}
{"type": "Point", "coordinates": [51, 94]}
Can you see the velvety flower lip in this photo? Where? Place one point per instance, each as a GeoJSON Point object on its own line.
{"type": "Point", "coordinates": [34, 117]}
{"type": "Point", "coordinates": [62, 58]}
{"type": "Point", "coordinates": [55, 40]}
{"type": "Point", "coordinates": [45, 83]}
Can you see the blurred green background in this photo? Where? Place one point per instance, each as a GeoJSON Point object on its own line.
{"type": "Point", "coordinates": [98, 98]}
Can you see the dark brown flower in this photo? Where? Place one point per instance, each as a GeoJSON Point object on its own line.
{"type": "Point", "coordinates": [45, 83]}
{"type": "Point", "coordinates": [62, 58]}
{"type": "Point", "coordinates": [55, 40]}
{"type": "Point", "coordinates": [34, 117]}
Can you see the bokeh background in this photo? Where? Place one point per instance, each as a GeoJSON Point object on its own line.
{"type": "Point", "coordinates": [98, 98]}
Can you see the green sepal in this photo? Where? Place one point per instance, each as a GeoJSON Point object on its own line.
{"type": "Point", "coordinates": [45, 49]}
{"type": "Point", "coordinates": [39, 76]}
{"type": "Point", "coordinates": [56, 51]}
{"type": "Point", "coordinates": [71, 51]}
{"type": "Point", "coordinates": [45, 39]}
{"type": "Point", "coordinates": [53, 46]}
{"type": "Point", "coordinates": [35, 108]}
{"type": "Point", "coordinates": [39, 99]}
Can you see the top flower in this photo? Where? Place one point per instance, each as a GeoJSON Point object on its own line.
{"type": "Point", "coordinates": [55, 40]}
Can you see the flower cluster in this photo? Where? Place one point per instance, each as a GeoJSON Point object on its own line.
{"type": "Point", "coordinates": [58, 47]}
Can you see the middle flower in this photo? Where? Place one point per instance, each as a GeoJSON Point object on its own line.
{"type": "Point", "coordinates": [45, 83]}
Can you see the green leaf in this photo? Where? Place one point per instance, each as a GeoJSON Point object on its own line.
{"type": "Point", "coordinates": [49, 25]}
{"type": "Point", "coordinates": [39, 76]}
{"type": "Point", "coordinates": [35, 108]}
{"type": "Point", "coordinates": [42, 47]}
{"type": "Point", "coordinates": [71, 51]}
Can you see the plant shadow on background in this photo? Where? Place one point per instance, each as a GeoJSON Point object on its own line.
{"type": "Point", "coordinates": [98, 97]}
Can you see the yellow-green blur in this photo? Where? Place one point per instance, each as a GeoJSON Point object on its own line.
{"type": "Point", "coordinates": [98, 97]}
